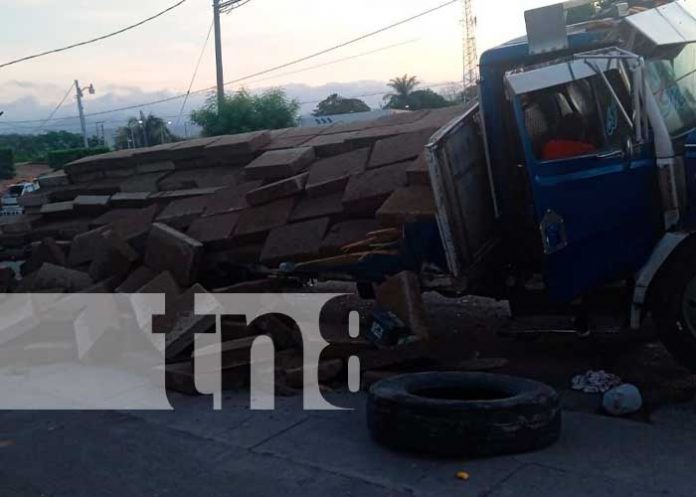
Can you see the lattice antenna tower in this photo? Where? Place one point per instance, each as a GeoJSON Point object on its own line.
{"type": "Point", "coordinates": [471, 67]}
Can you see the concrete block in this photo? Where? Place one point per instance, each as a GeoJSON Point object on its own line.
{"type": "Point", "coordinates": [180, 324]}
{"type": "Point", "coordinates": [398, 149]}
{"type": "Point", "coordinates": [114, 260]}
{"type": "Point", "coordinates": [58, 178]}
{"type": "Point", "coordinates": [142, 182]}
{"type": "Point", "coordinates": [279, 189]}
{"type": "Point", "coordinates": [91, 204]}
{"type": "Point", "coordinates": [136, 280]}
{"type": "Point", "coordinates": [35, 199]}
{"type": "Point", "coordinates": [331, 144]}
{"type": "Point", "coordinates": [255, 222]}
{"type": "Point", "coordinates": [191, 149]}
{"type": "Point", "coordinates": [295, 242]}
{"type": "Point", "coordinates": [50, 276]}
{"type": "Point", "coordinates": [199, 178]}
{"type": "Point", "coordinates": [279, 164]}
{"type": "Point", "coordinates": [130, 200]}
{"type": "Point", "coordinates": [57, 209]}
{"type": "Point", "coordinates": [233, 148]}
{"type": "Point", "coordinates": [417, 173]}
{"type": "Point", "coordinates": [46, 251]}
{"type": "Point", "coordinates": [346, 233]}
{"type": "Point", "coordinates": [214, 231]}
{"type": "Point", "coordinates": [156, 167]}
{"type": "Point", "coordinates": [16, 225]}
{"type": "Point", "coordinates": [170, 250]}
{"type": "Point", "coordinates": [407, 205]}
{"type": "Point", "coordinates": [401, 294]}
{"type": "Point", "coordinates": [366, 192]}
{"type": "Point", "coordinates": [119, 172]}
{"type": "Point", "coordinates": [181, 213]}
{"type": "Point", "coordinates": [332, 174]}
{"type": "Point", "coordinates": [85, 246]}
{"type": "Point", "coordinates": [162, 283]}
{"type": "Point", "coordinates": [230, 199]}
{"type": "Point", "coordinates": [313, 207]}
{"type": "Point", "coordinates": [135, 226]}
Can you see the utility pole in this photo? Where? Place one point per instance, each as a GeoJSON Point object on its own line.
{"type": "Point", "coordinates": [218, 55]}
{"type": "Point", "coordinates": [81, 109]}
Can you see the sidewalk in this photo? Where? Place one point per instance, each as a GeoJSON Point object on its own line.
{"type": "Point", "coordinates": [287, 452]}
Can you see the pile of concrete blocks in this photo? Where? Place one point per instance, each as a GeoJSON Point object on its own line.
{"type": "Point", "coordinates": [211, 214]}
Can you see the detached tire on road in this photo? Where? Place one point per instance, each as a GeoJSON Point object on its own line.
{"type": "Point", "coordinates": [463, 414]}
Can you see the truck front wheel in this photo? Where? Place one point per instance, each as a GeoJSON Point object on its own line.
{"type": "Point", "coordinates": [674, 305]}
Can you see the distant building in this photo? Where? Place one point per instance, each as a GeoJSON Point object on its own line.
{"type": "Point", "coordinates": [309, 121]}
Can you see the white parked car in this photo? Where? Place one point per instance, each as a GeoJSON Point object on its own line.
{"type": "Point", "coordinates": [10, 199]}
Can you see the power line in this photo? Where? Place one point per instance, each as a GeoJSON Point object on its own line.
{"type": "Point", "coordinates": [60, 104]}
{"type": "Point", "coordinates": [336, 61]}
{"type": "Point", "coordinates": [272, 69]}
{"type": "Point", "coordinates": [195, 72]}
{"type": "Point", "coordinates": [93, 40]}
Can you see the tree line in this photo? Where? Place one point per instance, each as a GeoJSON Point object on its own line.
{"type": "Point", "coordinates": [241, 112]}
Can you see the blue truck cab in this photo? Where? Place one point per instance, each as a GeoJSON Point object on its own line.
{"type": "Point", "coordinates": [570, 186]}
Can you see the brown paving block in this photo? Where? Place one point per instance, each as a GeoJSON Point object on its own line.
{"type": "Point", "coordinates": [279, 164]}
{"type": "Point", "coordinates": [401, 118]}
{"type": "Point", "coordinates": [279, 189]}
{"type": "Point", "coordinates": [180, 324]}
{"type": "Point", "coordinates": [346, 233]}
{"type": "Point", "coordinates": [114, 260]}
{"type": "Point", "coordinates": [368, 137]}
{"type": "Point", "coordinates": [331, 144]}
{"type": "Point", "coordinates": [87, 177]}
{"type": "Point", "coordinates": [401, 294]}
{"type": "Point", "coordinates": [85, 246]}
{"type": "Point", "coordinates": [191, 149]}
{"type": "Point", "coordinates": [181, 213]}
{"type": "Point", "coordinates": [142, 182]}
{"type": "Point", "coordinates": [66, 229]}
{"type": "Point", "coordinates": [136, 280]}
{"type": "Point", "coordinates": [407, 205]}
{"type": "Point", "coordinates": [239, 253]}
{"type": "Point", "coordinates": [295, 242]}
{"type": "Point", "coordinates": [169, 196]}
{"type": "Point", "coordinates": [50, 276]}
{"type": "Point", "coordinates": [198, 178]}
{"type": "Point", "coordinates": [14, 225]}
{"type": "Point", "coordinates": [130, 200]}
{"type": "Point", "coordinates": [255, 222]}
{"type": "Point", "coordinates": [398, 149]}
{"type": "Point", "coordinates": [47, 250]}
{"type": "Point", "coordinates": [313, 207]}
{"type": "Point", "coordinates": [35, 199]}
{"type": "Point", "coordinates": [366, 192]}
{"type": "Point", "coordinates": [233, 148]}
{"type": "Point", "coordinates": [332, 174]}
{"type": "Point", "coordinates": [418, 173]}
{"type": "Point", "coordinates": [170, 250]}
{"type": "Point", "coordinates": [57, 209]}
{"type": "Point", "coordinates": [156, 167]}
{"type": "Point", "coordinates": [113, 216]}
{"type": "Point", "coordinates": [58, 178]}
{"type": "Point", "coordinates": [135, 226]}
{"type": "Point", "coordinates": [230, 199]}
{"type": "Point", "coordinates": [119, 172]}
{"type": "Point", "coordinates": [214, 231]}
{"type": "Point", "coordinates": [91, 204]}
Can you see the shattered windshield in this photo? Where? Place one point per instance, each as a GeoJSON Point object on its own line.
{"type": "Point", "coordinates": [673, 82]}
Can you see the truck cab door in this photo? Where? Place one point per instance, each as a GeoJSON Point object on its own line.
{"type": "Point", "coordinates": [594, 186]}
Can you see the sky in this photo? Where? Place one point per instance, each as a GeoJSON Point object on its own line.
{"type": "Point", "coordinates": [158, 59]}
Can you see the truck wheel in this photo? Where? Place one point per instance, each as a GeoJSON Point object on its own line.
{"type": "Point", "coordinates": [463, 414]}
{"type": "Point", "coordinates": [673, 304]}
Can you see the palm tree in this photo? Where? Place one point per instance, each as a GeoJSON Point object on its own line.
{"type": "Point", "coordinates": [403, 88]}
{"type": "Point", "coordinates": [143, 132]}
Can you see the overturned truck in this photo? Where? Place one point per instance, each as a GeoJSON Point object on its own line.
{"type": "Point", "coordinates": [565, 188]}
